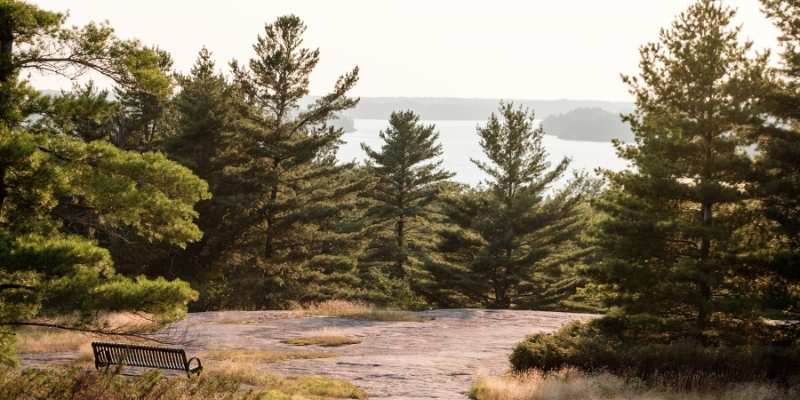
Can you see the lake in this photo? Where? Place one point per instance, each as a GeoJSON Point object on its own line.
{"type": "Point", "coordinates": [460, 143]}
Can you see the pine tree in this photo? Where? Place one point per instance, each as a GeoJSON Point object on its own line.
{"type": "Point", "coordinates": [777, 179]}
{"type": "Point", "coordinates": [671, 235]}
{"type": "Point", "coordinates": [35, 39]}
{"type": "Point", "coordinates": [504, 237]}
{"type": "Point", "coordinates": [290, 189]}
{"type": "Point", "coordinates": [204, 110]}
{"type": "Point", "coordinates": [407, 176]}
{"type": "Point", "coordinates": [145, 118]}
{"type": "Point", "coordinates": [48, 263]}
{"type": "Point", "coordinates": [86, 113]}
{"type": "Point", "coordinates": [204, 113]}
{"type": "Point", "coordinates": [47, 270]}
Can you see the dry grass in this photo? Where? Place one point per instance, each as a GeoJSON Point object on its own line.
{"type": "Point", "coordinates": [248, 356]}
{"type": "Point", "coordinates": [44, 340]}
{"type": "Point", "coordinates": [570, 384]}
{"type": "Point", "coordinates": [322, 340]}
{"type": "Point", "coordinates": [245, 367]}
{"type": "Point", "coordinates": [356, 310]}
{"type": "Point", "coordinates": [280, 387]}
{"type": "Point", "coordinates": [230, 381]}
{"type": "Point", "coordinates": [32, 339]}
{"type": "Point", "coordinates": [333, 308]}
{"type": "Point", "coordinates": [390, 315]}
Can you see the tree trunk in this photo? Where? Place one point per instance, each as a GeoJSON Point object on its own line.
{"type": "Point", "coordinates": [270, 215]}
{"type": "Point", "coordinates": [704, 308]}
{"type": "Point", "coordinates": [6, 49]}
{"type": "Point", "coordinates": [6, 68]}
{"type": "Point", "coordinates": [401, 225]}
{"type": "Point", "coordinates": [400, 237]}
{"type": "Point", "coordinates": [3, 188]}
{"type": "Point", "coordinates": [501, 300]}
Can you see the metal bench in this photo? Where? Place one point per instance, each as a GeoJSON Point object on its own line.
{"type": "Point", "coordinates": [108, 354]}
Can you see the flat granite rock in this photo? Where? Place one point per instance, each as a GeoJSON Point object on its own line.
{"type": "Point", "coordinates": [435, 359]}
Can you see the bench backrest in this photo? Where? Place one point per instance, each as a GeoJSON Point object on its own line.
{"type": "Point", "coordinates": [106, 354]}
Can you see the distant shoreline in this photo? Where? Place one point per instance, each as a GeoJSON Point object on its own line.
{"type": "Point", "coordinates": [548, 132]}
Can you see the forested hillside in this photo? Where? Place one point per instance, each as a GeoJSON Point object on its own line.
{"type": "Point", "coordinates": [588, 124]}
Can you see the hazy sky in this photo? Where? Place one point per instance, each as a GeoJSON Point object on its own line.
{"type": "Point", "coordinates": [534, 49]}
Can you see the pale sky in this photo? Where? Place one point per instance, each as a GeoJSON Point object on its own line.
{"type": "Point", "coordinates": [533, 49]}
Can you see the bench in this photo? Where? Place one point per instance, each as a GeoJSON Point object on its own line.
{"type": "Point", "coordinates": [108, 354]}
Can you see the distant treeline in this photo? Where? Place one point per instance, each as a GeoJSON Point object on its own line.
{"type": "Point", "coordinates": [586, 120]}
{"type": "Point", "coordinates": [444, 108]}
{"type": "Point", "coordinates": [588, 124]}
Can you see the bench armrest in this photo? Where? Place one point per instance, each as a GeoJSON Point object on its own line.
{"type": "Point", "coordinates": [195, 370]}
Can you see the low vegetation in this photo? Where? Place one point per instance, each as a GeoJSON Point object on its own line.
{"type": "Point", "coordinates": [590, 348]}
{"type": "Point", "coordinates": [357, 310]}
{"type": "Point", "coordinates": [333, 308]}
{"type": "Point", "coordinates": [570, 384]}
{"type": "Point", "coordinates": [262, 356]}
{"type": "Point", "coordinates": [36, 339]}
{"type": "Point", "coordinates": [229, 383]}
{"type": "Point", "coordinates": [44, 340]}
{"type": "Point", "coordinates": [323, 340]}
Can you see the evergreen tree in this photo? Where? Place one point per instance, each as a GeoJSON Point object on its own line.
{"type": "Point", "coordinates": [145, 118]}
{"type": "Point", "coordinates": [204, 110]}
{"type": "Point", "coordinates": [504, 237]}
{"type": "Point", "coordinates": [671, 237]}
{"type": "Point", "coordinates": [407, 177]}
{"type": "Point", "coordinates": [45, 269]}
{"type": "Point", "coordinates": [777, 179]}
{"type": "Point", "coordinates": [36, 39]}
{"type": "Point", "coordinates": [290, 190]}
{"type": "Point", "coordinates": [86, 113]}
{"type": "Point", "coordinates": [58, 194]}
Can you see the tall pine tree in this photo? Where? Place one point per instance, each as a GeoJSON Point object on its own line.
{"type": "Point", "coordinates": [293, 241]}
{"type": "Point", "coordinates": [777, 177]}
{"type": "Point", "coordinates": [204, 109]}
{"type": "Point", "coordinates": [504, 237]}
{"type": "Point", "coordinates": [670, 238]}
{"type": "Point", "coordinates": [407, 180]}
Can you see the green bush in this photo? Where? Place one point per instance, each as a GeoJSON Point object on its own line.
{"type": "Point", "coordinates": [586, 347]}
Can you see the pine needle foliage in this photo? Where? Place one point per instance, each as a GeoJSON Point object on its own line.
{"type": "Point", "coordinates": [503, 237]}
{"type": "Point", "coordinates": [407, 175]}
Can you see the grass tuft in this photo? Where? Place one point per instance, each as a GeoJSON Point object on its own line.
{"type": "Point", "coordinates": [390, 315]}
{"type": "Point", "coordinates": [333, 308]}
{"type": "Point", "coordinates": [322, 340]}
{"type": "Point", "coordinates": [248, 356]}
{"type": "Point", "coordinates": [356, 310]}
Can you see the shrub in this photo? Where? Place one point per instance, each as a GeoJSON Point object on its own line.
{"type": "Point", "coordinates": [586, 347]}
